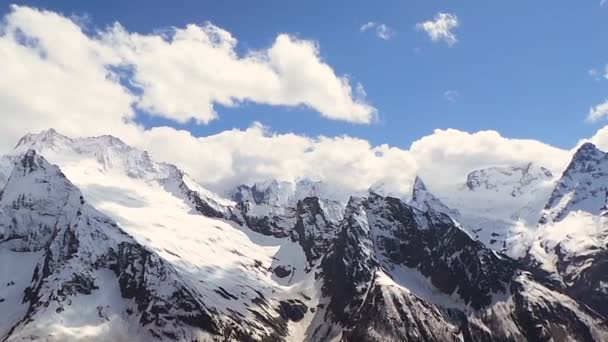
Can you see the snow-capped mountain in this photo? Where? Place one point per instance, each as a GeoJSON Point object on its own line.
{"type": "Point", "coordinates": [100, 242]}
{"type": "Point", "coordinates": [570, 246]}
{"type": "Point", "coordinates": [583, 186]}
{"type": "Point", "coordinates": [500, 206]}
{"type": "Point", "coordinates": [77, 275]}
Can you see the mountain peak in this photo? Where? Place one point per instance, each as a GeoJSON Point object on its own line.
{"type": "Point", "coordinates": [582, 185]}
{"type": "Point", "coordinates": [588, 146]}
{"type": "Point", "coordinates": [48, 137]}
{"type": "Point", "coordinates": [426, 201]}
{"type": "Point", "coordinates": [588, 151]}
{"type": "Point", "coordinates": [419, 184]}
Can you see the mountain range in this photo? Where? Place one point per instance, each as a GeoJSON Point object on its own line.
{"type": "Point", "coordinates": [99, 242]}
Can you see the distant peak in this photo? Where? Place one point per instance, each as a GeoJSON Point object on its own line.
{"type": "Point", "coordinates": [50, 131]}
{"type": "Point", "coordinates": [265, 184]}
{"type": "Point", "coordinates": [588, 146]}
{"type": "Point", "coordinates": [111, 140]}
{"type": "Point", "coordinates": [47, 136]}
{"type": "Point", "coordinates": [588, 150]}
{"type": "Point", "coordinates": [51, 137]}
{"type": "Point", "coordinates": [419, 184]}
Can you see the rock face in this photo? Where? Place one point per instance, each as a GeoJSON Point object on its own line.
{"type": "Point", "coordinates": [109, 245]}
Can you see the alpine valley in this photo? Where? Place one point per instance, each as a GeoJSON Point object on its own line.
{"type": "Point", "coordinates": [98, 242]}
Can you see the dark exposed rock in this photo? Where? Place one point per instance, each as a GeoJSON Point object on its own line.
{"type": "Point", "coordinates": [313, 230]}
{"type": "Point", "coordinates": [292, 309]}
{"type": "Point", "coordinates": [281, 271]}
{"type": "Point", "coordinates": [349, 266]}
{"type": "Point", "coordinates": [447, 255]}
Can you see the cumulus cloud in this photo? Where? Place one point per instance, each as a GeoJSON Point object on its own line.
{"type": "Point", "coordinates": [598, 112]}
{"type": "Point", "coordinates": [382, 31]}
{"type": "Point", "coordinates": [440, 28]}
{"type": "Point", "coordinates": [52, 68]}
{"type": "Point", "coordinates": [188, 70]}
{"type": "Point", "coordinates": [443, 159]}
{"type": "Point", "coordinates": [55, 75]}
{"type": "Point", "coordinates": [234, 157]}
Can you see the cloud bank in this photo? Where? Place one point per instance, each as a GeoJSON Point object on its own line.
{"type": "Point", "coordinates": [83, 84]}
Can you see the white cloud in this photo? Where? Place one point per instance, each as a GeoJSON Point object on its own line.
{"type": "Point", "coordinates": [185, 73]}
{"type": "Point", "coordinates": [603, 2]}
{"type": "Point", "coordinates": [443, 158]}
{"type": "Point", "coordinates": [182, 73]}
{"type": "Point", "coordinates": [451, 95]}
{"type": "Point", "coordinates": [54, 75]}
{"type": "Point", "coordinates": [598, 112]}
{"type": "Point", "coordinates": [240, 156]}
{"type": "Point", "coordinates": [382, 31]}
{"type": "Point", "coordinates": [367, 26]}
{"type": "Point", "coordinates": [440, 29]}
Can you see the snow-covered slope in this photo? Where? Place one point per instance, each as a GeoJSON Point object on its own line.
{"type": "Point", "coordinates": [246, 279]}
{"type": "Point", "coordinates": [79, 276]}
{"type": "Point", "coordinates": [110, 245]}
{"type": "Point", "coordinates": [501, 206]}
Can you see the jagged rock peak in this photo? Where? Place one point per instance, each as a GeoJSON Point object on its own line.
{"type": "Point", "coordinates": [423, 199]}
{"type": "Point", "coordinates": [279, 193]}
{"type": "Point", "coordinates": [419, 185]}
{"type": "Point", "coordinates": [30, 162]}
{"type": "Point", "coordinates": [587, 152]}
{"type": "Point", "coordinates": [582, 185]}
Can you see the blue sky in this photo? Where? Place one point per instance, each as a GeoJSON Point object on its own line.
{"type": "Point", "coordinates": [519, 67]}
